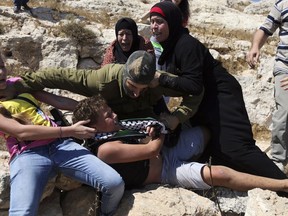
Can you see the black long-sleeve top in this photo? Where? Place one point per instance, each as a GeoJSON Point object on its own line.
{"type": "Point", "coordinates": [190, 60]}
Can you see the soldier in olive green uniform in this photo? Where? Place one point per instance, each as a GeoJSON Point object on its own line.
{"type": "Point", "coordinates": [124, 87]}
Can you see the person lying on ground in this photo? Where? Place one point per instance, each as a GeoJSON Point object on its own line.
{"type": "Point", "coordinates": [153, 162]}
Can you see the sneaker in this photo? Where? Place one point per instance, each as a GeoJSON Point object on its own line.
{"type": "Point", "coordinates": [17, 9]}
{"type": "Point", "coordinates": [26, 7]}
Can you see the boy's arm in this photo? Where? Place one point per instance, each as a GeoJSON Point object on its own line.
{"type": "Point", "coordinates": [59, 102]}
{"type": "Point", "coordinates": [118, 152]}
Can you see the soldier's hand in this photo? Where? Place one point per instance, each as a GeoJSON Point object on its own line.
{"type": "Point", "coordinates": [155, 82]}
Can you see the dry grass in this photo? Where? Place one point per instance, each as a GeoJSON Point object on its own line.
{"type": "Point", "coordinates": [103, 16]}
{"type": "Point", "coordinates": [6, 3]}
{"type": "Point", "coordinates": [77, 32]}
{"type": "Point", "coordinates": [261, 132]}
{"type": "Point", "coordinates": [2, 29]}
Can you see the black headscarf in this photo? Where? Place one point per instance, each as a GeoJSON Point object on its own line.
{"type": "Point", "coordinates": [126, 23]}
{"type": "Point", "coordinates": [172, 14]}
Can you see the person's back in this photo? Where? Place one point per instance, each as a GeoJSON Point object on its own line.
{"type": "Point", "coordinates": [232, 140]}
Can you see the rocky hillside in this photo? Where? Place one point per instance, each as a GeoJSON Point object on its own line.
{"type": "Point", "coordinates": [75, 33]}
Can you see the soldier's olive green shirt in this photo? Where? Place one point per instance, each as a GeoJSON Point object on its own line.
{"type": "Point", "coordinates": [108, 82]}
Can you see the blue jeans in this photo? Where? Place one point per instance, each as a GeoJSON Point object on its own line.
{"type": "Point", "coordinates": [31, 170]}
{"type": "Point", "coordinates": [19, 3]}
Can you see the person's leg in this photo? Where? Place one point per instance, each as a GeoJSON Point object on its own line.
{"type": "Point", "coordinates": [191, 144]}
{"type": "Point", "coordinates": [17, 2]}
{"type": "Point", "coordinates": [232, 142]}
{"type": "Point", "coordinates": [77, 162]}
{"type": "Point", "coordinates": [17, 6]}
{"type": "Point", "coordinates": [227, 177]}
{"type": "Point", "coordinates": [177, 168]}
{"type": "Point", "coordinates": [25, 6]}
{"type": "Point", "coordinates": [279, 142]}
{"type": "Point", "coordinates": [29, 174]}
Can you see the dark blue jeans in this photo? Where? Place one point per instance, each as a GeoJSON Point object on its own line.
{"type": "Point", "coordinates": [19, 3]}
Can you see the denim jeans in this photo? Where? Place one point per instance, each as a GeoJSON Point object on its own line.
{"type": "Point", "coordinates": [31, 170]}
{"type": "Point", "coordinates": [20, 2]}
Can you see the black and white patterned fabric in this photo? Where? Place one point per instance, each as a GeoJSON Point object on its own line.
{"type": "Point", "coordinates": [139, 125]}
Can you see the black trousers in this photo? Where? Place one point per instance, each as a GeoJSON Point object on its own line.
{"type": "Point", "coordinates": [223, 112]}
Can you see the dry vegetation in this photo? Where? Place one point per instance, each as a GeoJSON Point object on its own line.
{"type": "Point", "coordinates": [102, 16]}
{"type": "Point", "coordinates": [77, 32]}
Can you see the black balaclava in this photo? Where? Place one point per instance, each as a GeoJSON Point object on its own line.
{"type": "Point", "coordinates": [173, 16]}
{"type": "Point", "coordinates": [126, 23]}
{"type": "Point", "coordinates": [139, 68]}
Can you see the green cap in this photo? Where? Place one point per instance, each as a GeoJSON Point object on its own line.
{"type": "Point", "coordinates": [140, 67]}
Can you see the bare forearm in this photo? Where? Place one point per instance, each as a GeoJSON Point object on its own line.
{"type": "Point", "coordinates": [259, 39]}
{"type": "Point", "coordinates": [36, 132]}
{"type": "Point", "coordinates": [59, 102]}
{"type": "Point", "coordinates": [118, 152]}
{"type": "Point", "coordinates": [39, 132]}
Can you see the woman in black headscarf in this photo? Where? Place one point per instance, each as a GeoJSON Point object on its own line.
{"type": "Point", "coordinates": [222, 109]}
{"type": "Point", "coordinates": [127, 41]}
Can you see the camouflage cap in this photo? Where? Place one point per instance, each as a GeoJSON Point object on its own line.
{"type": "Point", "coordinates": [140, 67]}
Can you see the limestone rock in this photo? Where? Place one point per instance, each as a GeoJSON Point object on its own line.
{"type": "Point", "coordinates": [33, 41]}
{"type": "Point", "coordinates": [265, 203]}
{"type": "Point", "coordinates": [165, 201]}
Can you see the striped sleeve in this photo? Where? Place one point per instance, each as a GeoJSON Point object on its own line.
{"type": "Point", "coordinates": [273, 20]}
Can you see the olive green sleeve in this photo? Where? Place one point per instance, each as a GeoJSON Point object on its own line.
{"type": "Point", "coordinates": [188, 107]}
{"type": "Point", "coordinates": [84, 82]}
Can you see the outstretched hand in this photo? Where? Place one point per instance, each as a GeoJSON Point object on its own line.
{"type": "Point", "coordinates": [80, 131]}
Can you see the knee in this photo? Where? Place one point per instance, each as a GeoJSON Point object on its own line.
{"type": "Point", "coordinates": [116, 185]}
{"type": "Point", "coordinates": [119, 185]}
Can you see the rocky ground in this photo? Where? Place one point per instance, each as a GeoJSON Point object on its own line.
{"type": "Point", "coordinates": [75, 33]}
